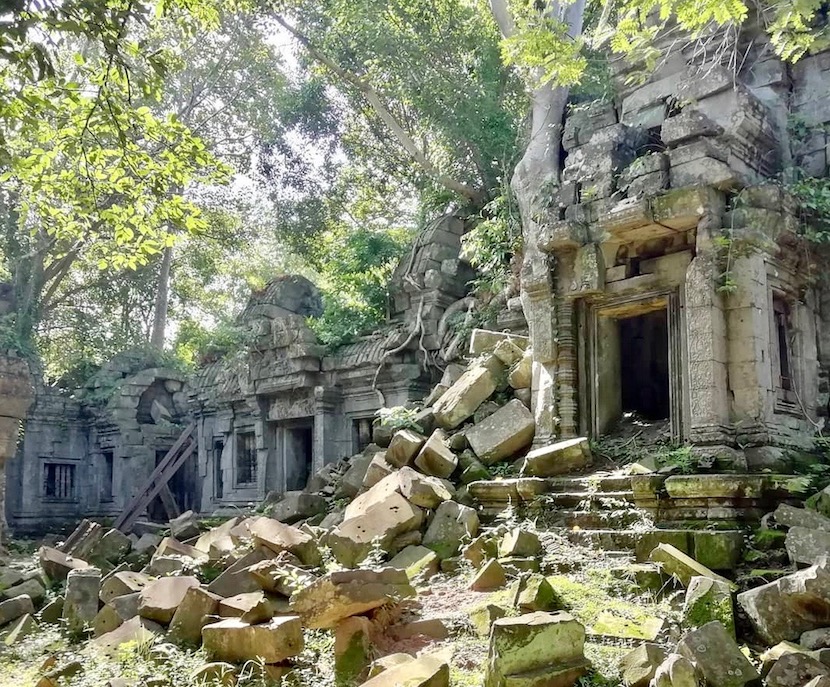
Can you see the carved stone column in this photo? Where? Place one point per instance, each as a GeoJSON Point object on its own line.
{"type": "Point", "coordinates": [538, 304]}
{"type": "Point", "coordinates": [16, 395]}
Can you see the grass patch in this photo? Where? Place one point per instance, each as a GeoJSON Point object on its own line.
{"type": "Point", "coordinates": [588, 594]}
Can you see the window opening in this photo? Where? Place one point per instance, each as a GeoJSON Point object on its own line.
{"type": "Point", "coordinates": [59, 481]}
{"type": "Point", "coordinates": [218, 482]}
{"type": "Point", "coordinates": [106, 486]}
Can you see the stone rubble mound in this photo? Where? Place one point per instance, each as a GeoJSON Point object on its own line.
{"type": "Point", "coordinates": [369, 535]}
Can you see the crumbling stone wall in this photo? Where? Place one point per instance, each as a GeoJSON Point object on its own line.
{"type": "Point", "coordinates": [670, 200]}
{"type": "Point", "coordinates": [87, 453]}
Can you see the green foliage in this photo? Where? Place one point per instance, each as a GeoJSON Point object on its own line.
{"type": "Point", "coordinates": [493, 241]}
{"type": "Point", "coordinates": [680, 457]}
{"type": "Point", "coordinates": [436, 68]}
{"type": "Point", "coordinates": [541, 46]}
{"type": "Point", "coordinates": [399, 417]}
{"type": "Point", "coordinates": [354, 266]}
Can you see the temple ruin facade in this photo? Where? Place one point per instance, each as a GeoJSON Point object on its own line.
{"type": "Point", "coordinates": [674, 281]}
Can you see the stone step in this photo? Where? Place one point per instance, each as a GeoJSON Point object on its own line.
{"type": "Point", "coordinates": [588, 500]}
{"type": "Point", "coordinates": [599, 483]}
{"type": "Point", "coordinates": [599, 519]}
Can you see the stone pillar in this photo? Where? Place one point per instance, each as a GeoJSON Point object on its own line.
{"type": "Point", "coordinates": [16, 395]}
{"type": "Point", "coordinates": [706, 338]}
{"type": "Point", "coordinates": [325, 406]}
{"type": "Point", "coordinates": [540, 312]}
{"type": "Point", "coordinates": [750, 371]}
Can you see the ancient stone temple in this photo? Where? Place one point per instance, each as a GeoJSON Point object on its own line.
{"type": "Point", "coordinates": [680, 284]}
{"type": "Point", "coordinates": [285, 406]}
{"type": "Point", "coordinates": [673, 283]}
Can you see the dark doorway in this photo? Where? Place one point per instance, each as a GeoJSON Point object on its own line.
{"type": "Point", "coordinates": [644, 365]}
{"type": "Point", "coordinates": [182, 486]}
{"type": "Point", "coordinates": [299, 443]}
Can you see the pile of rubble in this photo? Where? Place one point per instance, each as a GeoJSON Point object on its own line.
{"type": "Point", "coordinates": [271, 580]}
{"type": "Point", "coordinates": [352, 553]}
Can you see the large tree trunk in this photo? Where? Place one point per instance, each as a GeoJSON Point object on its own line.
{"type": "Point", "coordinates": [535, 183]}
{"type": "Point", "coordinates": [162, 301]}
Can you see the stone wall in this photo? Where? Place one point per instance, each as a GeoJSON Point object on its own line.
{"type": "Point", "coordinates": [87, 453]}
{"type": "Point", "coordinates": [669, 202]}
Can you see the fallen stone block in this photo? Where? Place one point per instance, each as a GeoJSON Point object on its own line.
{"type": "Point", "coordinates": [192, 615]}
{"type": "Point", "coordinates": [380, 524]}
{"type": "Point", "coordinates": [185, 526]}
{"type": "Point", "coordinates": [159, 600]}
{"type": "Point", "coordinates": [464, 397]}
{"type": "Point", "coordinates": [111, 548]}
{"type": "Point", "coordinates": [717, 656]}
{"type": "Point", "coordinates": [418, 562]}
{"type": "Point", "coordinates": [609, 624]}
{"type": "Point", "coordinates": [815, 639]}
{"type": "Point", "coordinates": [435, 457]}
{"type": "Point", "coordinates": [252, 607]}
{"type": "Point", "coordinates": [559, 458]}
{"type": "Point", "coordinates": [795, 670]}
{"type": "Point", "coordinates": [235, 641]}
{"type": "Point", "coordinates": [486, 341]}
{"type": "Point", "coordinates": [684, 568]}
{"type": "Point", "coordinates": [708, 600]}
{"type": "Point", "coordinates": [786, 608]}
{"type": "Point", "coordinates": [15, 608]}
{"type": "Point", "coordinates": [297, 505]}
{"type": "Point", "coordinates": [770, 656]}
{"type": "Point", "coordinates": [425, 671]}
{"type": "Point", "coordinates": [536, 649]}
{"type": "Point", "coordinates": [106, 620]}
{"type": "Point", "coordinates": [277, 537]}
{"type": "Point", "coordinates": [790, 516]}
{"type": "Point", "coordinates": [352, 481]}
{"type": "Point", "coordinates": [80, 604]}
{"type": "Point", "coordinates": [521, 374]}
{"type": "Point", "coordinates": [403, 448]}
{"type": "Point", "coordinates": [170, 546]}
{"type": "Point", "coordinates": [22, 628]}
{"type": "Point", "coordinates": [490, 576]}
{"type": "Point", "coordinates": [236, 579]}
{"type": "Point", "coordinates": [422, 490]}
{"type": "Point", "coordinates": [519, 542]}
{"type": "Point", "coordinates": [639, 666]}
{"type": "Point", "coordinates": [452, 526]}
{"type": "Point", "coordinates": [215, 673]}
{"type": "Point", "coordinates": [280, 577]}
{"type": "Point", "coordinates": [537, 594]}
{"type": "Point", "coordinates": [33, 588]}
{"type": "Point", "coordinates": [340, 595]}
{"type": "Point", "coordinates": [52, 612]}
{"type": "Point", "coordinates": [137, 630]}
{"type": "Point", "coordinates": [217, 542]}
{"type": "Point", "coordinates": [503, 434]}
{"type": "Point", "coordinates": [57, 564]}
{"type": "Point", "coordinates": [433, 628]}
{"type": "Point", "coordinates": [377, 470]}
{"type": "Point", "coordinates": [482, 617]}
{"type": "Point", "coordinates": [675, 671]}
{"type": "Point", "coordinates": [718, 550]}
{"type": "Point", "coordinates": [509, 352]}
{"type": "Point", "coordinates": [352, 650]}
{"type": "Point", "coordinates": [121, 583]}
{"type": "Point", "coordinates": [807, 546]}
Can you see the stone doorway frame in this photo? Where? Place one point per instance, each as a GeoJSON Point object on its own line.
{"type": "Point", "coordinates": [591, 311]}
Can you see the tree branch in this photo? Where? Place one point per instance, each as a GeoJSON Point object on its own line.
{"type": "Point", "coordinates": [501, 13]}
{"type": "Point", "coordinates": [372, 97]}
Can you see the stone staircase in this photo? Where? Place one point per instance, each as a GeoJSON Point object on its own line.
{"type": "Point", "coordinates": [705, 515]}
